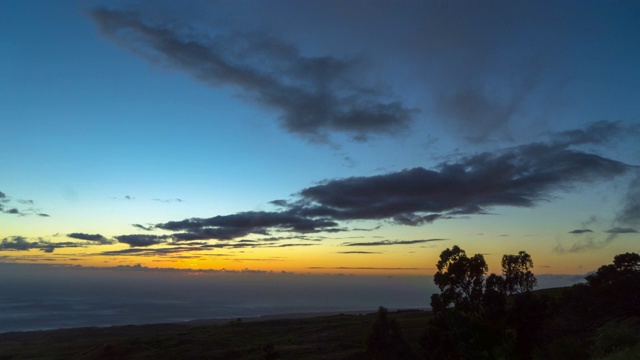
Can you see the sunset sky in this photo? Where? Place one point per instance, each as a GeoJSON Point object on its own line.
{"type": "Point", "coordinates": [359, 137]}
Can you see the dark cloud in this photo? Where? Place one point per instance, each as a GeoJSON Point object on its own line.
{"type": "Point", "coordinates": [630, 212]}
{"type": "Point", "coordinates": [279, 202]}
{"type": "Point", "coordinates": [238, 245]}
{"type": "Point", "coordinates": [598, 133]}
{"type": "Point", "coordinates": [152, 252]}
{"type": "Point", "coordinates": [13, 211]}
{"type": "Point", "coordinates": [389, 242]}
{"type": "Point", "coordinates": [290, 245]}
{"type": "Point", "coordinates": [580, 231]}
{"type": "Point", "coordinates": [252, 244]}
{"type": "Point", "coordinates": [481, 77]}
{"type": "Point", "coordinates": [415, 220]}
{"type": "Point", "coordinates": [369, 229]}
{"type": "Point", "coordinates": [226, 227]}
{"type": "Point", "coordinates": [521, 176]}
{"type": "Point", "coordinates": [95, 238]}
{"type": "Point", "coordinates": [18, 243]}
{"type": "Point", "coordinates": [22, 243]}
{"type": "Point", "coordinates": [142, 227]}
{"type": "Point", "coordinates": [314, 95]}
{"type": "Point", "coordinates": [142, 239]}
{"type": "Point", "coordinates": [44, 215]}
{"type": "Point", "coordinates": [488, 65]}
{"type": "Point", "coordinates": [620, 230]}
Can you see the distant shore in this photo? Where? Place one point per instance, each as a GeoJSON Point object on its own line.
{"type": "Point", "coordinates": [211, 321]}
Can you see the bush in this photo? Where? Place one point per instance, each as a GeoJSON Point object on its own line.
{"type": "Point", "coordinates": [616, 336]}
{"type": "Point", "coordinates": [385, 341]}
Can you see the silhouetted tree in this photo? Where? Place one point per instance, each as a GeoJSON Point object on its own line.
{"type": "Point", "coordinates": [385, 341]}
{"type": "Point", "coordinates": [460, 280]}
{"type": "Point", "coordinates": [438, 341]}
{"type": "Point", "coordinates": [596, 317]}
{"type": "Point", "coordinates": [518, 277]}
{"type": "Point", "coordinates": [482, 317]}
{"type": "Point", "coordinates": [619, 284]}
{"type": "Point", "coordinates": [494, 299]}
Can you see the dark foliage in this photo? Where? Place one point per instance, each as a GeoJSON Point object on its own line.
{"type": "Point", "coordinates": [460, 280]}
{"type": "Point", "coordinates": [597, 317]}
{"type": "Point", "coordinates": [498, 317]}
{"type": "Point", "coordinates": [385, 341]}
{"type": "Point", "coordinates": [270, 353]}
{"type": "Point", "coordinates": [483, 317]}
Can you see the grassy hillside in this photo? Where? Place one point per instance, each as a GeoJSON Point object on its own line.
{"type": "Point", "coordinates": [328, 337]}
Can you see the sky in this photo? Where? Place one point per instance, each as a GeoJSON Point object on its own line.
{"type": "Point", "coordinates": [324, 137]}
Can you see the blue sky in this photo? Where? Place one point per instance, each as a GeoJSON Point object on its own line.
{"type": "Point", "coordinates": [402, 128]}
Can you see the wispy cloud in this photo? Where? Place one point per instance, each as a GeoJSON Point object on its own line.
{"type": "Point", "coordinates": [580, 231]}
{"type": "Point", "coordinates": [142, 227]}
{"type": "Point", "coordinates": [175, 200]}
{"type": "Point", "coordinates": [314, 95]}
{"type": "Point", "coordinates": [620, 230]}
{"type": "Point", "coordinates": [630, 212]}
{"type": "Point", "coordinates": [169, 251]}
{"type": "Point", "coordinates": [588, 241]}
{"type": "Point", "coordinates": [8, 206]}
{"type": "Point", "coordinates": [390, 242]}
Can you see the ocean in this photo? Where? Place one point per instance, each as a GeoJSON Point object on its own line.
{"type": "Point", "coordinates": [40, 298]}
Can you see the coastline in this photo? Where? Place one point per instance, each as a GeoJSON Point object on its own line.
{"type": "Point", "coordinates": [337, 335]}
{"type": "Point", "coordinates": [207, 321]}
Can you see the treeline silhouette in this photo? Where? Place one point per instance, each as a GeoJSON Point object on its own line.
{"type": "Point", "coordinates": [480, 316]}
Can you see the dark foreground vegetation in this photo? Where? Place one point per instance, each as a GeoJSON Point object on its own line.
{"type": "Point", "coordinates": [475, 316]}
{"type": "Point", "coordinates": [498, 316]}
{"type": "Point", "coordinates": [326, 337]}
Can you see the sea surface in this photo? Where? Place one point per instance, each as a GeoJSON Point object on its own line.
{"type": "Point", "coordinates": [40, 297]}
{"type": "Point", "coordinates": [50, 298]}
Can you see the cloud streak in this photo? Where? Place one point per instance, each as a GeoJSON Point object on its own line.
{"type": "Point", "coordinates": [226, 227]}
{"type": "Point", "coordinates": [169, 252]}
{"type": "Point", "coordinates": [619, 230]}
{"type": "Point", "coordinates": [13, 209]}
{"type": "Point", "coordinates": [630, 212]}
{"type": "Point", "coordinates": [314, 95]}
{"type": "Point", "coordinates": [580, 231]}
{"type": "Point", "coordinates": [389, 242]}
{"type": "Point", "coordinates": [142, 239]}
{"type": "Point", "coordinates": [94, 238]}
{"type": "Point", "coordinates": [520, 176]}
{"type": "Point", "coordinates": [22, 243]}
